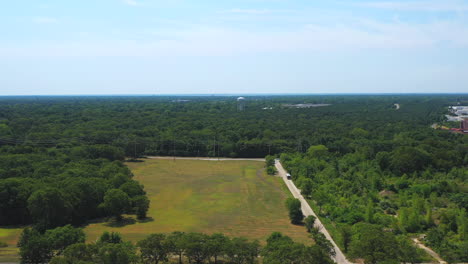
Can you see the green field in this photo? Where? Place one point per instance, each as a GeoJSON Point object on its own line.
{"type": "Point", "coordinates": [9, 236]}
{"type": "Point", "coordinates": [233, 197]}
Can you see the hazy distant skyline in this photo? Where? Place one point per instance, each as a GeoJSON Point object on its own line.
{"type": "Point", "coordinates": [233, 47]}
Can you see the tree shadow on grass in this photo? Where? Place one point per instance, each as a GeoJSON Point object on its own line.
{"type": "Point", "coordinates": [134, 160]}
{"type": "Point", "coordinates": [124, 222]}
{"type": "Point", "coordinates": [299, 224]}
{"type": "Point", "coordinates": [146, 220]}
{"type": "Point", "coordinates": [13, 226]}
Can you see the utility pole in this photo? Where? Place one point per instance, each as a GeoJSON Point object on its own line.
{"type": "Point", "coordinates": [214, 146]}
{"type": "Point", "coordinates": [134, 148]}
{"type": "Point", "coordinates": [173, 146]}
{"type": "Point", "coordinates": [218, 151]}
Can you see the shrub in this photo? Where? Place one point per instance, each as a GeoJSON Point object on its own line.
{"type": "Point", "coordinates": [271, 170]}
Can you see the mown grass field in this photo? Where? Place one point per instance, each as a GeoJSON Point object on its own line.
{"type": "Point", "coordinates": [10, 236]}
{"type": "Point", "coordinates": [236, 198]}
{"type": "Point", "coordinates": [233, 197]}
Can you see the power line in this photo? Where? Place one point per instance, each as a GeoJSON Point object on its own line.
{"type": "Point", "coordinates": [192, 145]}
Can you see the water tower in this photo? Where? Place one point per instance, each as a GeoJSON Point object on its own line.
{"type": "Point", "coordinates": [240, 104]}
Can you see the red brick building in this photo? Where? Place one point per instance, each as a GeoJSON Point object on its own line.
{"type": "Point", "coordinates": [464, 125]}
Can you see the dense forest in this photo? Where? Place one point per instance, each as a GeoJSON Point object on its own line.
{"type": "Point", "coordinates": [365, 164]}
{"type": "Point", "coordinates": [210, 126]}
{"type": "Point", "coordinates": [50, 187]}
{"type": "Point", "coordinates": [384, 185]}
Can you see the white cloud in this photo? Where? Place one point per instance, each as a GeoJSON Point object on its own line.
{"type": "Point", "coordinates": [432, 6]}
{"type": "Point", "coordinates": [249, 11]}
{"type": "Point", "coordinates": [45, 20]}
{"type": "Point", "coordinates": [212, 39]}
{"type": "Point", "coordinates": [218, 41]}
{"type": "Point", "coordinates": [131, 2]}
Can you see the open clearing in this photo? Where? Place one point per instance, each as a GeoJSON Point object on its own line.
{"type": "Point", "coordinates": [10, 236]}
{"type": "Point", "coordinates": [233, 197]}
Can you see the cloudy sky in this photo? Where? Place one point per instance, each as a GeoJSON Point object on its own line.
{"type": "Point", "coordinates": [237, 47]}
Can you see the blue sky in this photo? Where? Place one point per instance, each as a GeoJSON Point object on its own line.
{"type": "Point", "coordinates": [239, 47]}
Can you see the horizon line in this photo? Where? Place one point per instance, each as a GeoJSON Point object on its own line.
{"type": "Point", "coordinates": [231, 94]}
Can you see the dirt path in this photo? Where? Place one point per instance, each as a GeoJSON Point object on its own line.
{"type": "Point", "coordinates": [202, 158]}
{"type": "Point", "coordinates": [429, 251]}
{"type": "Point", "coordinates": [340, 258]}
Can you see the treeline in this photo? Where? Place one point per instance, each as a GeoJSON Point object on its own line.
{"type": "Point", "coordinates": [211, 126]}
{"type": "Point", "coordinates": [66, 245]}
{"type": "Point", "coordinates": [414, 184]}
{"type": "Point", "coordinates": [51, 187]}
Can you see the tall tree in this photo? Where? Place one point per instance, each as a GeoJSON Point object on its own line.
{"type": "Point", "coordinates": [269, 161]}
{"type": "Point", "coordinates": [34, 247]}
{"type": "Point", "coordinates": [374, 245]}
{"type": "Point", "coordinates": [407, 252]}
{"type": "Point", "coordinates": [116, 202]}
{"type": "Point", "coordinates": [306, 189]}
{"type": "Point", "coordinates": [429, 221]}
{"type": "Point", "coordinates": [178, 243]}
{"type": "Point", "coordinates": [321, 197]}
{"type": "Point", "coordinates": [346, 236]}
{"type": "Point", "coordinates": [62, 237]}
{"type": "Point", "coordinates": [309, 222]}
{"type": "Point", "coordinates": [295, 211]}
{"type": "Point", "coordinates": [370, 212]}
{"type": "Point", "coordinates": [281, 249]}
{"type": "Point", "coordinates": [462, 223]}
{"type": "Point", "coordinates": [154, 249]}
{"type": "Point", "coordinates": [414, 221]}
{"type": "Point", "coordinates": [49, 208]}
{"type": "Point", "coordinates": [318, 151]}
{"type": "Point", "coordinates": [141, 205]}
{"type": "Point", "coordinates": [241, 251]}
{"type": "Point", "coordinates": [217, 245]}
{"type": "Point", "coordinates": [197, 247]}
{"type": "Point", "coordinates": [86, 253]}
{"type": "Point", "coordinates": [120, 253]}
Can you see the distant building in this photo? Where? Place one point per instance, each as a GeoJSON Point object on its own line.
{"type": "Point", "coordinates": [459, 113]}
{"type": "Point", "coordinates": [464, 125]}
{"type": "Point", "coordinates": [304, 105]}
{"type": "Point", "coordinates": [241, 104]}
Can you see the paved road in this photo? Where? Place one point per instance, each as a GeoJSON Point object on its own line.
{"type": "Point", "coordinates": [201, 158]}
{"type": "Point", "coordinates": [306, 210]}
